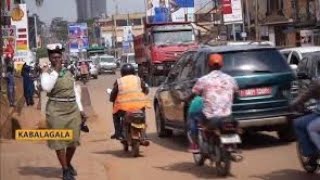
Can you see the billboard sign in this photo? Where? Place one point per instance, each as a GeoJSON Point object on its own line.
{"type": "Point", "coordinates": [232, 11]}
{"type": "Point", "coordinates": [78, 43]}
{"type": "Point", "coordinates": [19, 19]}
{"type": "Point", "coordinates": [78, 37]}
{"type": "Point", "coordinates": [127, 43]}
{"type": "Point", "coordinates": [9, 40]}
{"type": "Point", "coordinates": [163, 11]}
{"type": "Point", "coordinates": [77, 30]}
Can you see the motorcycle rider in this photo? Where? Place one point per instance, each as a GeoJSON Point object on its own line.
{"type": "Point", "coordinates": [307, 128]}
{"type": "Point", "coordinates": [217, 90]}
{"type": "Point", "coordinates": [129, 93]}
{"type": "Point", "coordinates": [84, 70]}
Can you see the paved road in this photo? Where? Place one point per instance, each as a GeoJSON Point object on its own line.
{"type": "Point", "coordinates": [265, 157]}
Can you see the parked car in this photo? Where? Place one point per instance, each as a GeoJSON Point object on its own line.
{"type": "Point", "coordinates": [261, 104]}
{"type": "Point", "coordinates": [107, 64]}
{"type": "Point", "coordinates": [129, 58]}
{"type": "Point", "coordinates": [295, 55]}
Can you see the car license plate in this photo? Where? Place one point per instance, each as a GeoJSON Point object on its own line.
{"type": "Point", "coordinates": [230, 139]}
{"type": "Point", "coordinates": [255, 92]}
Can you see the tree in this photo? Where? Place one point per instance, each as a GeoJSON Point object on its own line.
{"type": "Point", "coordinates": [59, 28]}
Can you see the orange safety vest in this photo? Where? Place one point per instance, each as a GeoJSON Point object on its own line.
{"type": "Point", "coordinates": [130, 96]}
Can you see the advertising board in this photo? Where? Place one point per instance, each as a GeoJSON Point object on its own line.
{"type": "Point", "coordinates": [163, 11]}
{"type": "Point", "coordinates": [9, 40]}
{"type": "Point", "coordinates": [78, 37]}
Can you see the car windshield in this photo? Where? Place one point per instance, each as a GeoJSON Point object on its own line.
{"type": "Point", "coordinates": [131, 59]}
{"type": "Point", "coordinates": [254, 61]}
{"type": "Point", "coordinates": [108, 60]}
{"type": "Point", "coordinates": [172, 37]}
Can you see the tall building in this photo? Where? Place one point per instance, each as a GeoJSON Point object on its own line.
{"type": "Point", "coordinates": [88, 9]}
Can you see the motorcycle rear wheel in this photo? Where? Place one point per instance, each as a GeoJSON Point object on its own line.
{"type": "Point", "coordinates": [305, 162]}
{"type": "Point", "coordinates": [198, 159]}
{"type": "Point", "coordinates": [223, 161]}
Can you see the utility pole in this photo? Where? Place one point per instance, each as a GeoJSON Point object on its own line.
{"type": "Point", "coordinates": [248, 18]}
{"type": "Point", "coordinates": [256, 21]}
{"type": "Point", "coordinates": [35, 30]}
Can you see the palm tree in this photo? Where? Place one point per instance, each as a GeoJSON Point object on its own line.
{"type": "Point", "coordinates": [39, 2]}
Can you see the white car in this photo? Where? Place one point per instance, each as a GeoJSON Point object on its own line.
{"type": "Point", "coordinates": [295, 55]}
{"type": "Point", "coordinates": [130, 59]}
{"type": "Point", "coordinates": [108, 64]}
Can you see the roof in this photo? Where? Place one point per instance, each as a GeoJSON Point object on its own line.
{"type": "Point", "coordinates": [303, 49]}
{"type": "Point", "coordinates": [230, 48]}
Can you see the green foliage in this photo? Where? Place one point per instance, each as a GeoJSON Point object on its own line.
{"type": "Point", "coordinates": [59, 28]}
{"type": "Point", "coordinates": [41, 53]}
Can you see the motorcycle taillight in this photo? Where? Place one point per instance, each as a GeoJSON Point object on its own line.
{"type": "Point", "coordinates": [229, 126]}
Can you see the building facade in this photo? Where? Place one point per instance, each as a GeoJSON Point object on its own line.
{"type": "Point", "coordinates": [287, 23]}
{"type": "Point", "coordinates": [88, 9]}
{"type": "Point", "coordinates": [113, 30]}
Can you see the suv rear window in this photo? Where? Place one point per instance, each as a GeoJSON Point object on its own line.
{"type": "Point", "coordinates": [254, 61]}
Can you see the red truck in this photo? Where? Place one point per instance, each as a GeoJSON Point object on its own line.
{"type": "Point", "coordinates": [157, 50]}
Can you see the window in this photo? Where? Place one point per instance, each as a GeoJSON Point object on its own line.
{"type": "Point", "coordinates": [121, 22]}
{"type": "Point", "coordinates": [135, 22]}
{"type": "Point", "coordinates": [187, 68]}
{"type": "Point", "coordinates": [275, 6]}
{"type": "Point", "coordinates": [294, 59]}
{"type": "Point", "coordinates": [253, 61]}
{"type": "Point", "coordinates": [302, 68]}
{"type": "Point", "coordinates": [174, 72]}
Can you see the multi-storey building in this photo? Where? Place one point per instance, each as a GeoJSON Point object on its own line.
{"type": "Point", "coordinates": [112, 29]}
{"type": "Point", "coordinates": [88, 9]}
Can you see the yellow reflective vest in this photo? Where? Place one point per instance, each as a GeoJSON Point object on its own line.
{"type": "Point", "coordinates": [130, 96]}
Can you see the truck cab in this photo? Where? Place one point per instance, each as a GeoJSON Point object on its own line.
{"type": "Point", "coordinates": [160, 47]}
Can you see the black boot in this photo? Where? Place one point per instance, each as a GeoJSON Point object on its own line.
{"type": "Point", "coordinates": [72, 170]}
{"type": "Point", "coordinates": [67, 175]}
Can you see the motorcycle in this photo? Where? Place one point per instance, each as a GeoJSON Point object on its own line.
{"type": "Point", "coordinates": [306, 163]}
{"type": "Point", "coordinates": [218, 140]}
{"type": "Point", "coordinates": [133, 129]}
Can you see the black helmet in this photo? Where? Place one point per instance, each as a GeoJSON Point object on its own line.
{"type": "Point", "coordinates": [127, 69]}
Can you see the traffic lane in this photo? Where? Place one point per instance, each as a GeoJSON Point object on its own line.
{"type": "Point", "coordinates": [168, 158]}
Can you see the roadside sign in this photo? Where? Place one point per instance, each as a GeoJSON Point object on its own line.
{"type": "Point", "coordinates": [9, 40]}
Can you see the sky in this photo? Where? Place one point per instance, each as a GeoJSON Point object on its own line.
{"type": "Point", "coordinates": [68, 9]}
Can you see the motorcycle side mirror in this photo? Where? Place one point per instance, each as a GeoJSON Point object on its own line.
{"type": "Point", "coordinates": [109, 91]}
{"type": "Point", "coordinates": [294, 67]}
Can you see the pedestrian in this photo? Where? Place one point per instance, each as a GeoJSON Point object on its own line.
{"type": "Point", "coordinates": [64, 109]}
{"type": "Point", "coordinates": [10, 85]}
{"type": "Point", "coordinates": [28, 84]}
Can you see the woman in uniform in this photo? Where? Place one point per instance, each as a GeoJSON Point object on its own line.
{"type": "Point", "coordinates": [64, 109]}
